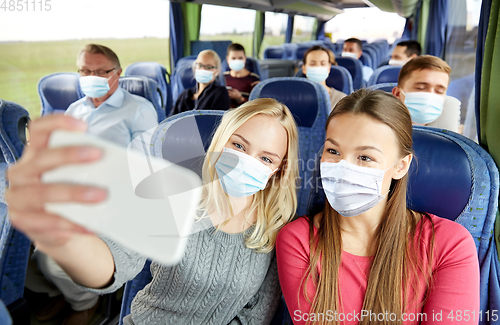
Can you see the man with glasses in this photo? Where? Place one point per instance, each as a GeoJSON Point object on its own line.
{"type": "Point", "coordinates": [111, 113]}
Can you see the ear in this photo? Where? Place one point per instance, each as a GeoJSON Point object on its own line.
{"type": "Point", "coordinates": [304, 69]}
{"type": "Point", "coordinates": [402, 167]}
{"type": "Point", "coordinates": [413, 56]}
{"type": "Point", "coordinates": [396, 91]}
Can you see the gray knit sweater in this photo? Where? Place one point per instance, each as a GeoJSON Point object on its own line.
{"type": "Point", "coordinates": [219, 281]}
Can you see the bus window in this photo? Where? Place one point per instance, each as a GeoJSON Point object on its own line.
{"type": "Point", "coordinates": [463, 19]}
{"type": "Point", "coordinates": [303, 29]}
{"type": "Point", "coordinates": [274, 33]}
{"type": "Point", "coordinates": [51, 40]}
{"type": "Point", "coordinates": [226, 23]}
{"type": "Point", "coordinates": [366, 24]}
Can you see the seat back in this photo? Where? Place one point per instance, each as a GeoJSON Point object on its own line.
{"type": "Point", "coordinates": [183, 78]}
{"type": "Point", "coordinates": [14, 246]}
{"type": "Point", "coordinates": [289, 50]}
{"type": "Point", "coordinates": [147, 88]}
{"type": "Point", "coordinates": [58, 90]}
{"type": "Point", "coordinates": [454, 178]}
{"type": "Point", "coordinates": [182, 139]}
{"type": "Point", "coordinates": [339, 78]}
{"type": "Point", "coordinates": [355, 68]}
{"type": "Point", "coordinates": [385, 74]}
{"type": "Point", "coordinates": [275, 52]}
{"type": "Point", "coordinates": [387, 87]}
{"type": "Point", "coordinates": [299, 52]}
{"type": "Point", "coordinates": [251, 65]}
{"type": "Point", "coordinates": [373, 55]}
{"type": "Point", "coordinates": [366, 60]}
{"type": "Point", "coordinates": [156, 72]}
{"type": "Point", "coordinates": [309, 103]}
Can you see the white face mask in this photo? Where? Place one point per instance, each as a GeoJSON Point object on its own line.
{"type": "Point", "coordinates": [397, 62]}
{"type": "Point", "coordinates": [352, 190]}
{"type": "Point", "coordinates": [349, 55]}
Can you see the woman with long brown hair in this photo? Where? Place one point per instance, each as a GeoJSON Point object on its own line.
{"type": "Point", "coordinates": [367, 258]}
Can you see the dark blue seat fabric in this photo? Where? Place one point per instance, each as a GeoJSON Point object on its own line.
{"type": "Point", "coordinates": [182, 139]}
{"type": "Point", "coordinates": [251, 65]}
{"type": "Point", "coordinates": [290, 50]}
{"type": "Point", "coordinates": [183, 78]}
{"type": "Point", "coordinates": [385, 74]}
{"type": "Point", "coordinates": [14, 246]}
{"type": "Point", "coordinates": [156, 72]}
{"type": "Point", "coordinates": [355, 68]}
{"type": "Point", "coordinates": [454, 178]}
{"type": "Point", "coordinates": [339, 78]}
{"type": "Point", "coordinates": [373, 55]}
{"type": "Point", "coordinates": [309, 103]}
{"type": "Point", "coordinates": [298, 53]}
{"type": "Point", "coordinates": [58, 90]}
{"type": "Point", "coordinates": [387, 87]}
{"type": "Point", "coordinates": [275, 52]}
{"type": "Point", "coordinates": [220, 47]}
{"type": "Point", "coordinates": [185, 60]}
{"type": "Point", "coordinates": [147, 88]}
{"type": "Point", "coordinates": [366, 60]}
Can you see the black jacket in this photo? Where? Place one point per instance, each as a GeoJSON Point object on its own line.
{"type": "Point", "coordinates": [213, 97]}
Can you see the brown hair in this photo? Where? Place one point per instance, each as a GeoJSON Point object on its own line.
{"type": "Point", "coordinates": [235, 47]}
{"type": "Point", "coordinates": [101, 49]}
{"type": "Point", "coordinates": [331, 56]}
{"type": "Point", "coordinates": [421, 63]}
{"type": "Point", "coordinates": [396, 266]}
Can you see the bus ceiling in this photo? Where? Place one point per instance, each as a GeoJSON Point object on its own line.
{"type": "Point", "coordinates": [321, 9]}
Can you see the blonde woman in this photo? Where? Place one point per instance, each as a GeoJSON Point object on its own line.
{"type": "Point", "coordinates": [206, 94]}
{"type": "Point", "coordinates": [228, 274]}
{"type": "Point", "coordinates": [367, 258]}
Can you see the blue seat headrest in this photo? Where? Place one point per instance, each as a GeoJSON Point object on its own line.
{"type": "Point", "coordinates": [59, 90]}
{"type": "Point", "coordinates": [439, 177]}
{"type": "Point", "coordinates": [299, 95]}
{"type": "Point", "coordinates": [385, 74]}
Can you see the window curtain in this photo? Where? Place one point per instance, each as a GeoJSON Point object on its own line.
{"type": "Point", "coordinates": [436, 27]}
{"type": "Point", "coordinates": [289, 30]}
{"type": "Point", "coordinates": [258, 34]}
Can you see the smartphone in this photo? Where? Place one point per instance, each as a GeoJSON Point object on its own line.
{"type": "Point", "coordinates": [229, 87]}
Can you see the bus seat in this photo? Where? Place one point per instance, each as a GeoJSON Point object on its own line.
{"type": "Point", "coordinates": [59, 90]}
{"type": "Point", "coordinates": [373, 55]}
{"type": "Point", "coordinates": [182, 139]}
{"type": "Point", "coordinates": [185, 60]}
{"type": "Point", "coordinates": [385, 74]}
{"type": "Point", "coordinates": [355, 68]}
{"type": "Point", "coordinates": [156, 72]}
{"type": "Point", "coordinates": [5, 318]}
{"type": "Point", "coordinates": [289, 50]}
{"type": "Point", "coordinates": [339, 78]}
{"type": "Point", "coordinates": [387, 87]}
{"type": "Point", "coordinates": [298, 53]}
{"type": "Point", "coordinates": [220, 47]}
{"type": "Point", "coordinates": [146, 88]}
{"type": "Point", "coordinates": [183, 78]}
{"type": "Point", "coordinates": [366, 60]}
{"type": "Point", "coordinates": [461, 89]}
{"type": "Point", "coordinates": [309, 103]}
{"type": "Point", "coordinates": [454, 178]}
{"type": "Point", "coordinates": [273, 68]}
{"type": "Point", "coordinates": [251, 65]}
{"type": "Point", "coordinates": [275, 52]}
{"type": "Point", "coordinates": [14, 246]}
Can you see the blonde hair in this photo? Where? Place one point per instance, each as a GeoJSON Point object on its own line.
{"type": "Point", "coordinates": [214, 55]}
{"type": "Point", "coordinates": [100, 49]}
{"type": "Point", "coordinates": [276, 204]}
{"type": "Point", "coordinates": [421, 63]}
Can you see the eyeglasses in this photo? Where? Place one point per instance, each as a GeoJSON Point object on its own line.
{"type": "Point", "coordinates": [99, 73]}
{"type": "Point", "coordinates": [207, 67]}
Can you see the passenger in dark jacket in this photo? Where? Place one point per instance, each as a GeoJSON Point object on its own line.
{"type": "Point", "coordinates": [206, 94]}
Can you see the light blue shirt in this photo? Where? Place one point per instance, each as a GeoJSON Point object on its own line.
{"type": "Point", "coordinates": [119, 119]}
{"type": "Point", "coordinates": [367, 73]}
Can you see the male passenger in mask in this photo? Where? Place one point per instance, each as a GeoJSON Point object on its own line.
{"type": "Point", "coordinates": [422, 86]}
{"type": "Point", "coordinates": [404, 52]}
{"type": "Point", "coordinates": [116, 115]}
{"type": "Point", "coordinates": [353, 48]}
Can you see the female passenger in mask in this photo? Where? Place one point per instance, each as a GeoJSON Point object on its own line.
{"type": "Point", "coordinates": [317, 64]}
{"type": "Point", "coordinates": [367, 254]}
{"type": "Point", "coordinates": [228, 274]}
{"type": "Point", "coordinates": [206, 94]}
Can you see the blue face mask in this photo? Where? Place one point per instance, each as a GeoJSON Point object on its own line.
{"type": "Point", "coordinates": [203, 76]}
{"type": "Point", "coordinates": [240, 174]}
{"type": "Point", "coordinates": [94, 86]}
{"type": "Point", "coordinates": [237, 65]}
{"type": "Point", "coordinates": [317, 74]}
{"type": "Point", "coordinates": [424, 107]}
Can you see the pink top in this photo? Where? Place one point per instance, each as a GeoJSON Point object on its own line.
{"type": "Point", "coordinates": [454, 298]}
